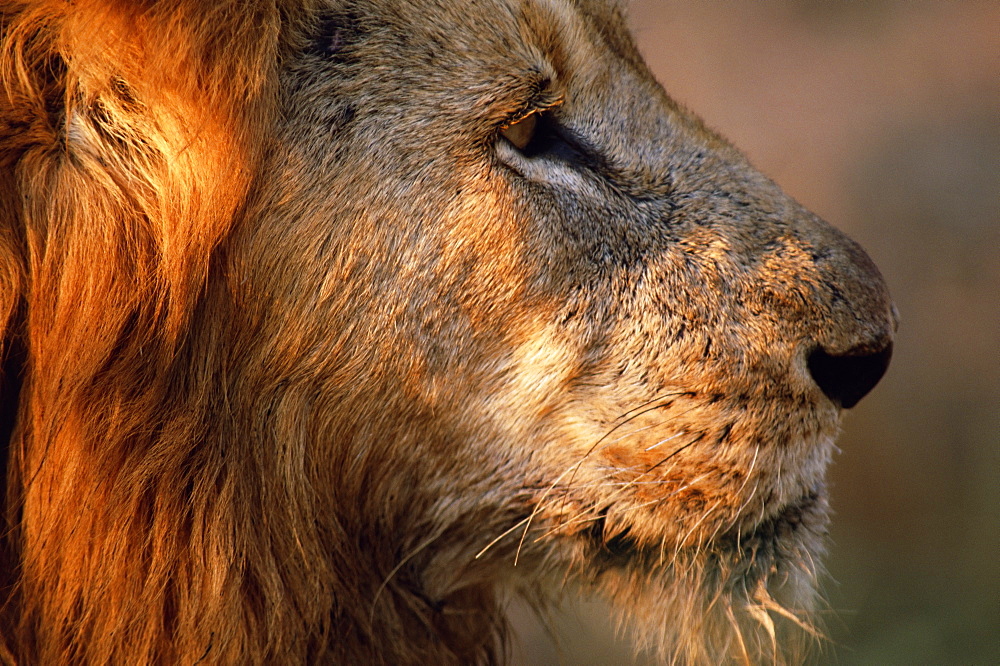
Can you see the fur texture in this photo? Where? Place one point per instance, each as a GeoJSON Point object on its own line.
{"type": "Point", "coordinates": [318, 316]}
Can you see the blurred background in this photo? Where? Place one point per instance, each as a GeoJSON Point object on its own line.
{"type": "Point", "coordinates": [884, 118]}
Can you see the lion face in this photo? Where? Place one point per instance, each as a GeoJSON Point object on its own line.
{"type": "Point", "coordinates": [491, 297]}
{"type": "Point", "coordinates": [599, 338]}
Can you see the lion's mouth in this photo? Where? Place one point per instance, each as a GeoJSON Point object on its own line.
{"type": "Point", "coordinates": [775, 536]}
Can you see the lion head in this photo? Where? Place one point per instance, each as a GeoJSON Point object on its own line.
{"type": "Point", "coordinates": [329, 325]}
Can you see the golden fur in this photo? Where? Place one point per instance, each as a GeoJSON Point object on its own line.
{"type": "Point", "coordinates": [317, 316]}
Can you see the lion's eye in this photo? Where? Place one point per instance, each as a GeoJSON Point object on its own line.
{"type": "Point", "coordinates": [521, 132]}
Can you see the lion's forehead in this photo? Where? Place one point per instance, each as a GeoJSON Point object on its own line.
{"type": "Point", "coordinates": [517, 47]}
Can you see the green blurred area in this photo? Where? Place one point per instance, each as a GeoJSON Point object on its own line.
{"type": "Point", "coordinates": [884, 118]}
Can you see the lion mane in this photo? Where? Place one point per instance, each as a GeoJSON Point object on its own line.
{"type": "Point", "coordinates": [119, 178]}
{"type": "Point", "coordinates": [236, 431]}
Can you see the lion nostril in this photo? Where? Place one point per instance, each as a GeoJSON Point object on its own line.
{"type": "Point", "coordinates": [848, 377]}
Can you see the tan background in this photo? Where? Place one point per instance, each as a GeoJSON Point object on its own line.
{"type": "Point", "coordinates": [884, 118]}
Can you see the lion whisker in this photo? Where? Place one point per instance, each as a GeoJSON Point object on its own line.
{"type": "Point", "coordinates": [586, 515]}
{"type": "Point", "coordinates": [664, 441]}
{"type": "Point", "coordinates": [502, 535]}
{"type": "Point", "coordinates": [641, 409]}
{"type": "Point", "coordinates": [736, 515]}
{"type": "Point", "coordinates": [631, 433]}
{"type": "Point", "coordinates": [649, 470]}
{"type": "Point", "coordinates": [538, 506]}
{"type": "Point", "coordinates": [701, 542]}
{"type": "Point", "coordinates": [626, 418]}
{"type": "Point", "coordinates": [749, 472]}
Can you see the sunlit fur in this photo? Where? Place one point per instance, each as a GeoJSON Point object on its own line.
{"type": "Point", "coordinates": [304, 362]}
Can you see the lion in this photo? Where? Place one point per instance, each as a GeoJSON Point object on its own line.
{"type": "Point", "coordinates": [332, 326]}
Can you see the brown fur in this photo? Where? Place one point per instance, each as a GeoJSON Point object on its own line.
{"type": "Point", "coordinates": [301, 356]}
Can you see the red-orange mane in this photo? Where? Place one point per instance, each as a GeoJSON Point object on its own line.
{"type": "Point", "coordinates": [129, 132]}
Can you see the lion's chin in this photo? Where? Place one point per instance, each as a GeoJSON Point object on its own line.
{"type": "Point", "coordinates": [747, 597]}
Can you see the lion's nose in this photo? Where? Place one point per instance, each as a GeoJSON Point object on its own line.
{"type": "Point", "coordinates": [848, 377]}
